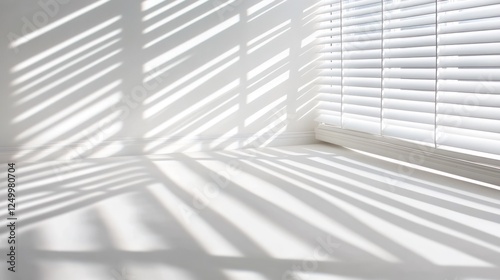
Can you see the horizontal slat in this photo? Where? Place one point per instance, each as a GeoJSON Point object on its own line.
{"type": "Point", "coordinates": [412, 84]}
{"type": "Point", "coordinates": [408, 33]}
{"type": "Point", "coordinates": [419, 21]}
{"type": "Point", "coordinates": [469, 86]}
{"type": "Point", "coordinates": [404, 94]}
{"type": "Point", "coordinates": [362, 82]}
{"type": "Point", "coordinates": [371, 9]}
{"type": "Point", "coordinates": [372, 22]}
{"type": "Point", "coordinates": [361, 123]}
{"type": "Point", "coordinates": [410, 73]}
{"type": "Point", "coordinates": [422, 10]}
{"type": "Point", "coordinates": [478, 99]}
{"type": "Point", "coordinates": [469, 49]}
{"type": "Point", "coordinates": [362, 54]}
{"type": "Point", "coordinates": [360, 28]}
{"type": "Point", "coordinates": [368, 45]}
{"type": "Point", "coordinates": [470, 111]}
{"type": "Point", "coordinates": [489, 24]}
{"type": "Point", "coordinates": [469, 61]}
{"type": "Point", "coordinates": [466, 74]}
{"type": "Point", "coordinates": [470, 14]}
{"type": "Point", "coordinates": [444, 6]}
{"type": "Point", "coordinates": [426, 51]}
{"type": "Point", "coordinates": [484, 143]}
{"type": "Point", "coordinates": [377, 35]}
{"type": "Point", "coordinates": [408, 130]}
{"type": "Point", "coordinates": [362, 91]}
{"type": "Point", "coordinates": [413, 62]}
{"type": "Point", "coordinates": [409, 106]}
{"type": "Point", "coordinates": [427, 128]}
{"type": "Point", "coordinates": [368, 73]}
{"type": "Point", "coordinates": [362, 63]}
{"type": "Point", "coordinates": [488, 36]}
{"type": "Point", "coordinates": [474, 136]}
{"type": "Point", "coordinates": [361, 101]}
{"type": "Point", "coordinates": [351, 4]}
{"type": "Point", "coordinates": [474, 124]}
{"type": "Point", "coordinates": [361, 110]}
{"type": "Point", "coordinates": [410, 42]}
{"type": "Point", "coordinates": [415, 116]}
{"type": "Point", "coordinates": [393, 5]}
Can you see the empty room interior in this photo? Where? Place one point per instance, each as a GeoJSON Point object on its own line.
{"type": "Point", "coordinates": [250, 140]}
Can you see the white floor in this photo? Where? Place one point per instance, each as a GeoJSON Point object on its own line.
{"type": "Point", "coordinates": [304, 212]}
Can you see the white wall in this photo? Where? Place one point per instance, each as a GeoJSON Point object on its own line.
{"type": "Point", "coordinates": [114, 77]}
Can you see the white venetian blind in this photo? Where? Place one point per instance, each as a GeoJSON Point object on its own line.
{"type": "Point", "coordinates": [409, 69]}
{"type": "Point", "coordinates": [426, 71]}
{"type": "Point", "coordinates": [361, 65]}
{"type": "Point", "coordinates": [468, 96]}
{"type": "Point", "coordinates": [330, 81]}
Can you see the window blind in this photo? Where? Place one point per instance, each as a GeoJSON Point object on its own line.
{"type": "Point", "coordinates": [468, 99]}
{"type": "Point", "coordinates": [409, 70]}
{"type": "Point", "coordinates": [330, 80]}
{"type": "Point", "coordinates": [361, 65]}
{"type": "Point", "coordinates": [418, 70]}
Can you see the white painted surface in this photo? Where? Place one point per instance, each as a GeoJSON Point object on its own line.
{"type": "Point", "coordinates": [97, 74]}
{"type": "Point", "coordinates": [313, 211]}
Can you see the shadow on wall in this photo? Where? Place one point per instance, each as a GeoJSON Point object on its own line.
{"type": "Point", "coordinates": [118, 77]}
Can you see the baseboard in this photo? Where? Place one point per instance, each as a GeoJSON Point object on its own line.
{"type": "Point", "coordinates": [467, 166]}
{"type": "Point", "coordinates": [134, 147]}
